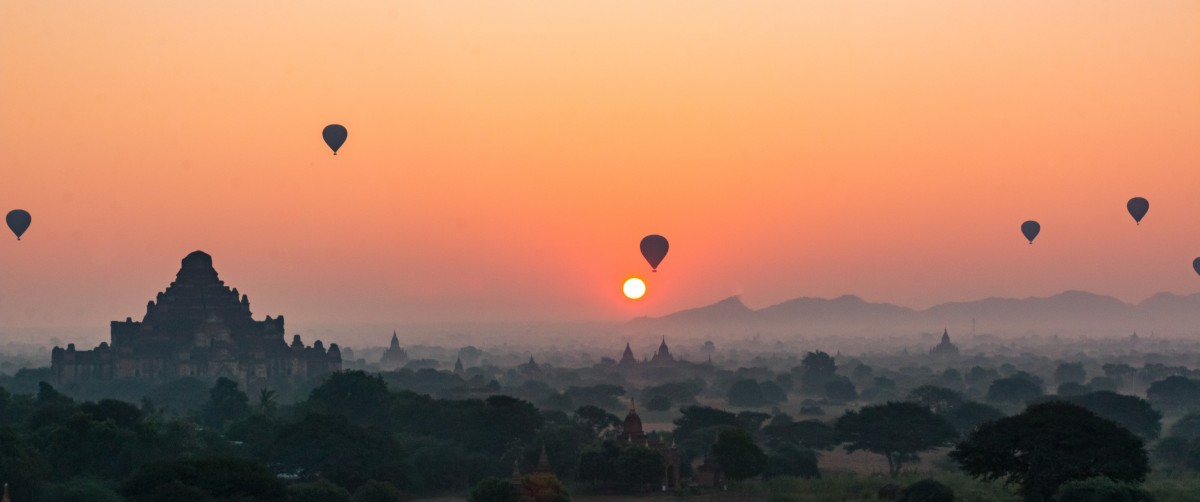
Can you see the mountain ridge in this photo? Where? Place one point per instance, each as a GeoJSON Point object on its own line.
{"type": "Point", "coordinates": [1069, 310]}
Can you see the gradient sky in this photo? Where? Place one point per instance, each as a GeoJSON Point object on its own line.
{"type": "Point", "coordinates": [505, 158]}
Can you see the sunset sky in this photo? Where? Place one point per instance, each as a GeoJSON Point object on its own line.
{"type": "Point", "coordinates": [505, 158]}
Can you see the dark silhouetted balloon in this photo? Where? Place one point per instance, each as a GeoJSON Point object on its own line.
{"type": "Point", "coordinates": [1137, 207]}
{"type": "Point", "coordinates": [654, 249]}
{"type": "Point", "coordinates": [1196, 265]}
{"type": "Point", "coordinates": [335, 136]}
{"type": "Point", "coordinates": [1031, 229]}
{"type": "Point", "coordinates": [18, 220]}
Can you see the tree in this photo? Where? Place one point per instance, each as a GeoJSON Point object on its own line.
{"type": "Point", "coordinates": [319, 491]}
{"type": "Point", "coordinates": [809, 434]}
{"type": "Point", "coordinates": [1130, 412]}
{"type": "Point", "coordinates": [840, 390]}
{"type": "Point", "coordinates": [746, 394]}
{"type": "Point", "coordinates": [773, 392]}
{"type": "Point", "coordinates": [1101, 490]}
{"type": "Point", "coordinates": [225, 403]}
{"type": "Point", "coordinates": [1174, 393]}
{"type": "Point", "coordinates": [1048, 445]}
{"type": "Point", "coordinates": [816, 369]}
{"type": "Point", "coordinates": [595, 419]}
{"type": "Point", "coordinates": [968, 415]}
{"type": "Point", "coordinates": [1187, 427]}
{"type": "Point", "coordinates": [792, 461]}
{"type": "Point", "coordinates": [267, 402]}
{"type": "Point", "coordinates": [693, 418]}
{"type": "Point", "coordinates": [80, 490]}
{"type": "Point", "coordinates": [360, 397]}
{"type": "Point", "coordinates": [752, 420]}
{"type": "Point", "coordinates": [340, 451]}
{"type": "Point", "coordinates": [897, 430]}
{"type": "Point", "coordinates": [20, 465]}
{"type": "Point", "coordinates": [1072, 389]}
{"type": "Point", "coordinates": [937, 399]}
{"type": "Point", "coordinates": [926, 490]}
{"type": "Point", "coordinates": [737, 454]}
{"type": "Point", "coordinates": [494, 490]}
{"type": "Point", "coordinates": [659, 403]}
{"type": "Point", "coordinates": [219, 478]}
{"type": "Point", "coordinates": [637, 468]}
{"type": "Point", "coordinates": [1069, 373]}
{"type": "Point", "coordinates": [543, 488]}
{"type": "Point", "coordinates": [1013, 390]}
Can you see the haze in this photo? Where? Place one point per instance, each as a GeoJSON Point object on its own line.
{"type": "Point", "coordinates": [504, 160]}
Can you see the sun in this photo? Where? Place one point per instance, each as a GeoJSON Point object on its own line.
{"type": "Point", "coordinates": [634, 288]}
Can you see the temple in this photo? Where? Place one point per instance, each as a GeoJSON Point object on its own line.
{"type": "Point", "coordinates": [632, 436]}
{"type": "Point", "coordinates": [945, 348]}
{"type": "Point", "coordinates": [198, 327]}
{"type": "Point", "coordinates": [394, 357]}
{"type": "Point", "coordinates": [662, 357]}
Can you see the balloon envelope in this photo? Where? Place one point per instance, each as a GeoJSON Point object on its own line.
{"type": "Point", "coordinates": [1196, 265]}
{"type": "Point", "coordinates": [1030, 229]}
{"type": "Point", "coordinates": [1137, 207]}
{"type": "Point", "coordinates": [654, 249]}
{"type": "Point", "coordinates": [335, 136]}
{"type": "Point", "coordinates": [18, 221]}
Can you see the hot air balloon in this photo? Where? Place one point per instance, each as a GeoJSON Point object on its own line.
{"type": "Point", "coordinates": [654, 249]}
{"type": "Point", "coordinates": [1030, 229]}
{"type": "Point", "coordinates": [1196, 265]}
{"type": "Point", "coordinates": [18, 221]}
{"type": "Point", "coordinates": [1137, 207]}
{"type": "Point", "coordinates": [335, 136]}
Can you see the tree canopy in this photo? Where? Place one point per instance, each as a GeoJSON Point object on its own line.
{"type": "Point", "coordinates": [1050, 444]}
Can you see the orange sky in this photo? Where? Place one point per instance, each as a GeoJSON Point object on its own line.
{"type": "Point", "coordinates": [505, 158]}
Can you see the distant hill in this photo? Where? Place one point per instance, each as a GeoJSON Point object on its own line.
{"type": "Point", "coordinates": [1070, 311]}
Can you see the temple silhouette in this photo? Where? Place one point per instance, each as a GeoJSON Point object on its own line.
{"type": "Point", "coordinates": [198, 327]}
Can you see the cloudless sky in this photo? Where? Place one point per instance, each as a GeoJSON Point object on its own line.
{"type": "Point", "coordinates": [505, 158]}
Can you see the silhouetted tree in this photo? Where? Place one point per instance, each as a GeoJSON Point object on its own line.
{"type": "Point", "coordinates": [926, 490]}
{"type": "Point", "coordinates": [816, 369]}
{"type": "Point", "coordinates": [1130, 412]}
{"type": "Point", "coordinates": [1069, 373]}
{"type": "Point", "coordinates": [1013, 390]}
{"type": "Point", "coordinates": [693, 418]}
{"type": "Point", "coordinates": [211, 479]}
{"type": "Point", "coordinates": [1101, 489]}
{"type": "Point", "coordinates": [494, 490]}
{"type": "Point", "coordinates": [1048, 445]}
{"type": "Point", "coordinates": [746, 394]}
{"type": "Point", "coordinates": [1174, 393]}
{"type": "Point", "coordinates": [792, 461]}
{"type": "Point", "coordinates": [595, 419]}
{"type": "Point", "coordinates": [968, 415]}
{"type": "Point", "coordinates": [225, 403]}
{"type": "Point", "coordinates": [1187, 427]}
{"type": "Point", "coordinates": [897, 430]}
{"type": "Point", "coordinates": [362, 398]}
{"type": "Point", "coordinates": [377, 491]}
{"type": "Point", "coordinates": [319, 491]}
{"type": "Point", "coordinates": [737, 454]}
{"type": "Point", "coordinates": [840, 389]}
{"type": "Point", "coordinates": [937, 399]}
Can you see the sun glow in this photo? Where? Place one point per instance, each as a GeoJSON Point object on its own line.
{"type": "Point", "coordinates": [634, 288]}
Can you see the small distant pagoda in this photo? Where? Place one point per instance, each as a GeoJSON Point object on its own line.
{"type": "Point", "coordinates": [945, 348]}
{"type": "Point", "coordinates": [394, 357]}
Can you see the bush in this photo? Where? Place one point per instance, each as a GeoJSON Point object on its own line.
{"type": "Point", "coordinates": [927, 490]}
{"type": "Point", "coordinates": [1101, 490]}
{"type": "Point", "coordinates": [320, 491]}
{"type": "Point", "coordinates": [80, 490]}
{"type": "Point", "coordinates": [494, 490]}
{"type": "Point", "coordinates": [377, 491]}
